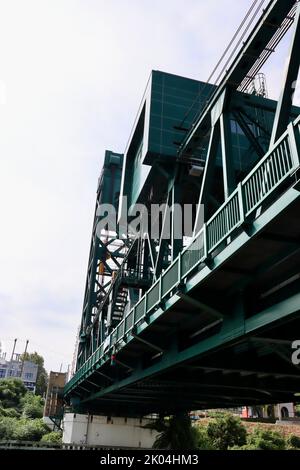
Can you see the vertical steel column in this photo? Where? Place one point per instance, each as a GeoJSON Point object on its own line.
{"type": "Point", "coordinates": [227, 160]}
{"type": "Point", "coordinates": [176, 221]}
{"type": "Point", "coordinates": [208, 175]}
{"type": "Point", "coordinates": [285, 101]}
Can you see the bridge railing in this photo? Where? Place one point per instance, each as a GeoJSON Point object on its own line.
{"type": "Point", "coordinates": [271, 171]}
{"type": "Point", "coordinates": [267, 175]}
{"type": "Point", "coordinates": [223, 222]}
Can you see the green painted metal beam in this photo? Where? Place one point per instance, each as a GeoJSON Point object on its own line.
{"type": "Point", "coordinates": [284, 105]}
{"type": "Point", "coordinates": [207, 179]}
{"type": "Point", "coordinates": [169, 359]}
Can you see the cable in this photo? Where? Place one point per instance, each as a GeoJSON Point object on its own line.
{"type": "Point", "coordinates": [270, 47]}
{"type": "Point", "coordinates": [243, 35]}
{"type": "Point", "coordinates": [225, 52]}
{"type": "Point", "coordinates": [235, 49]}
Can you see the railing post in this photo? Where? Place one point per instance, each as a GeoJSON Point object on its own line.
{"type": "Point", "coordinates": [179, 268]}
{"type": "Point", "coordinates": [294, 147]}
{"type": "Point", "coordinates": [145, 306]}
{"type": "Point", "coordinates": [205, 241]}
{"type": "Point", "coordinates": [160, 288]}
{"type": "Point", "coordinates": [241, 202]}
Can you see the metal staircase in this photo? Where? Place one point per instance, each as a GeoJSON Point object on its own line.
{"type": "Point", "coordinates": [119, 304]}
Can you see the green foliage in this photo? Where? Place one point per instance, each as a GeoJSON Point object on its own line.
{"type": "Point", "coordinates": [9, 412]}
{"type": "Point", "coordinates": [175, 432]}
{"type": "Point", "coordinates": [22, 429]}
{"type": "Point", "coordinates": [265, 439]}
{"type": "Point", "coordinates": [11, 392]}
{"type": "Point", "coordinates": [52, 437]}
{"type": "Point", "coordinates": [226, 431]}
{"type": "Point", "coordinates": [42, 376]}
{"type": "Point", "coordinates": [244, 447]}
{"type": "Point", "coordinates": [8, 427]}
{"type": "Point", "coordinates": [293, 441]}
{"type": "Point", "coordinates": [30, 430]}
{"type": "Point", "coordinates": [16, 401]}
{"type": "Point", "coordinates": [203, 440]}
{"type": "Point", "coordinates": [32, 406]}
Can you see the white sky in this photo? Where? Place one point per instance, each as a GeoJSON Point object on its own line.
{"type": "Point", "coordinates": [72, 73]}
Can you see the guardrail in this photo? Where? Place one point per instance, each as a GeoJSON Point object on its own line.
{"type": "Point", "coordinates": [33, 445]}
{"type": "Point", "coordinates": [269, 173]}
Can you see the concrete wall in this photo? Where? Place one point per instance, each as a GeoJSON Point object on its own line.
{"type": "Point", "coordinates": [102, 430]}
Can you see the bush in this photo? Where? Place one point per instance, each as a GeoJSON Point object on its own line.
{"type": "Point", "coordinates": [30, 430]}
{"type": "Point", "coordinates": [32, 406]}
{"type": "Point", "coordinates": [226, 431]}
{"type": "Point", "coordinates": [8, 427]}
{"type": "Point", "coordinates": [244, 447]}
{"type": "Point", "coordinates": [32, 411]}
{"type": "Point", "coordinates": [264, 439]}
{"type": "Point", "coordinates": [293, 441]}
{"type": "Point", "coordinates": [52, 437]}
{"type": "Point", "coordinates": [9, 412]}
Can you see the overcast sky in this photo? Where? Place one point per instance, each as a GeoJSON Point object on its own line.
{"type": "Point", "coordinates": [72, 74]}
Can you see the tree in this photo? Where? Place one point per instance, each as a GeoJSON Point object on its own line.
{"type": "Point", "coordinates": [42, 376]}
{"type": "Point", "coordinates": [11, 392]}
{"type": "Point", "coordinates": [33, 406]}
{"type": "Point", "coordinates": [227, 431]}
{"type": "Point", "coordinates": [175, 432]}
{"type": "Point", "coordinates": [204, 442]}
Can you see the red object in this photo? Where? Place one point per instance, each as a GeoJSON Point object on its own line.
{"type": "Point", "coordinates": [113, 360]}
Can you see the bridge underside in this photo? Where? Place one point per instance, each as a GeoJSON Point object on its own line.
{"type": "Point", "coordinates": [195, 353]}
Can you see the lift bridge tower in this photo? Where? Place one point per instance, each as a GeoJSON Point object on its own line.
{"type": "Point", "coordinates": [207, 319]}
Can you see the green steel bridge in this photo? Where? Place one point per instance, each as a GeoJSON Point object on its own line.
{"type": "Point", "coordinates": [206, 321]}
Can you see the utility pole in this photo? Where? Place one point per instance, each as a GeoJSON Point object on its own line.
{"type": "Point", "coordinates": [25, 351]}
{"type": "Point", "coordinates": [11, 358]}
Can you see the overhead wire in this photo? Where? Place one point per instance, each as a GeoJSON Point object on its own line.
{"type": "Point", "coordinates": [270, 47]}
{"type": "Point", "coordinates": [261, 2]}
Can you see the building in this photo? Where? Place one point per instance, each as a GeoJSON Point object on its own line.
{"type": "Point", "coordinates": [53, 409]}
{"type": "Point", "coordinates": [281, 411]}
{"type": "Point", "coordinates": [25, 370]}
